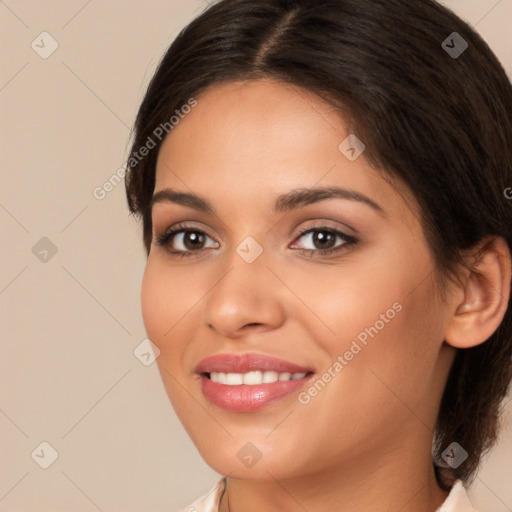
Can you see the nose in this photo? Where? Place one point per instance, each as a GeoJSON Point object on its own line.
{"type": "Point", "coordinates": [247, 296]}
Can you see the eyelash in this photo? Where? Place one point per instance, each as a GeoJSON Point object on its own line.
{"type": "Point", "coordinates": [164, 240]}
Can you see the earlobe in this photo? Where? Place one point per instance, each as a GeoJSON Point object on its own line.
{"type": "Point", "coordinates": [485, 296]}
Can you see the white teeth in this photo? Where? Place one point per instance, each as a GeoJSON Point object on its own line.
{"type": "Point", "coordinates": [234, 379]}
{"type": "Point", "coordinates": [253, 378]}
{"type": "Point", "coordinates": [269, 377]}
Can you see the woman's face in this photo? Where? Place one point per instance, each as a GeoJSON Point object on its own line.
{"type": "Point", "coordinates": [341, 287]}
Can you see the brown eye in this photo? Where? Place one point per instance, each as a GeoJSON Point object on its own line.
{"type": "Point", "coordinates": [183, 241]}
{"type": "Point", "coordinates": [323, 240]}
{"type": "Point", "coordinates": [193, 240]}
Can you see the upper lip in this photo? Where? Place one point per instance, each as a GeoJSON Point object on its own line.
{"type": "Point", "coordinates": [242, 363]}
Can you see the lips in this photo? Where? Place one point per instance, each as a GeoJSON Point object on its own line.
{"type": "Point", "coordinates": [241, 397]}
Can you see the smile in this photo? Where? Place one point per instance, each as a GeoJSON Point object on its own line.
{"type": "Point", "coordinates": [248, 382]}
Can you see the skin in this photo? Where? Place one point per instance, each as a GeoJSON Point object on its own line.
{"type": "Point", "coordinates": [364, 442]}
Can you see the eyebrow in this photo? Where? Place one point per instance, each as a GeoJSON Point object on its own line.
{"type": "Point", "coordinates": [284, 203]}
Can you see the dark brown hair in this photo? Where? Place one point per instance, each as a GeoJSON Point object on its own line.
{"type": "Point", "coordinates": [438, 122]}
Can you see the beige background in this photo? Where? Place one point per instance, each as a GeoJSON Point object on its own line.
{"type": "Point", "coordinates": [69, 325]}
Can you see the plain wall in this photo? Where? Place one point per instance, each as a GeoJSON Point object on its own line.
{"type": "Point", "coordinates": [70, 321]}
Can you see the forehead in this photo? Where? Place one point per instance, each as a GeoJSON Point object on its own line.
{"type": "Point", "coordinates": [261, 138]}
{"type": "Point", "coordinates": [254, 121]}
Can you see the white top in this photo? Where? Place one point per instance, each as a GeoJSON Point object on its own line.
{"type": "Point", "coordinates": [457, 500]}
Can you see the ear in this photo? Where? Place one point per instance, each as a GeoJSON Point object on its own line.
{"type": "Point", "coordinates": [485, 295]}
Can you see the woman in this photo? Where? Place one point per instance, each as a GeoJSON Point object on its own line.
{"type": "Point", "coordinates": [322, 186]}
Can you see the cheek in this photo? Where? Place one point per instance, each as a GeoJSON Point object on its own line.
{"type": "Point", "coordinates": [339, 303]}
{"type": "Point", "coordinates": [152, 296]}
{"type": "Point", "coordinates": [388, 327]}
{"type": "Point", "coordinates": [166, 298]}
{"type": "Point", "coordinates": [382, 380]}
{"type": "Point", "coordinates": [397, 361]}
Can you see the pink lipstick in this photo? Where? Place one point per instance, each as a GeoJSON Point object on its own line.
{"type": "Point", "coordinates": [247, 382]}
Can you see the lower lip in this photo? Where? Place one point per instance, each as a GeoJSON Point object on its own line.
{"type": "Point", "coordinates": [245, 398]}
